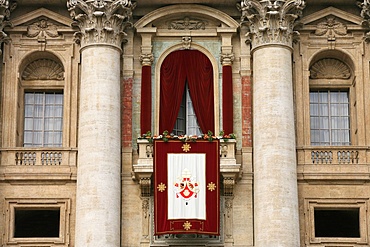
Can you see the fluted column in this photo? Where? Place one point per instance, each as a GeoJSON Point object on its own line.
{"type": "Point", "coordinates": [275, 178]}
{"type": "Point", "coordinates": [101, 24]}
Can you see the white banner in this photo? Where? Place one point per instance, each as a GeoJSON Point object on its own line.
{"type": "Point", "coordinates": [186, 177]}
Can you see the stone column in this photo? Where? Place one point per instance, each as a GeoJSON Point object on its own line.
{"type": "Point", "coordinates": [275, 178]}
{"type": "Point", "coordinates": [98, 198]}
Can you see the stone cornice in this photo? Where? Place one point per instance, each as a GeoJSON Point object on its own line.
{"type": "Point", "coordinates": [100, 21]}
{"type": "Point", "coordinates": [270, 21]}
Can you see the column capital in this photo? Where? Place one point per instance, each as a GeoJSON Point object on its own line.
{"type": "Point", "coordinates": [100, 21]}
{"type": "Point", "coordinates": [365, 14]}
{"type": "Point", "coordinates": [6, 6]}
{"type": "Point", "coordinates": [270, 21]}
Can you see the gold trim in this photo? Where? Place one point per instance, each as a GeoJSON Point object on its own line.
{"type": "Point", "coordinates": [161, 187]}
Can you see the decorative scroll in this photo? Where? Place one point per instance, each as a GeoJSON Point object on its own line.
{"type": "Point", "coordinates": [187, 187]}
{"type": "Point", "coordinates": [187, 24]}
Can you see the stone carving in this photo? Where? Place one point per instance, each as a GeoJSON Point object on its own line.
{"type": "Point", "coordinates": [229, 186]}
{"type": "Point", "coordinates": [43, 69]}
{"type": "Point", "coordinates": [227, 58]}
{"type": "Point", "coordinates": [147, 60]}
{"type": "Point", "coordinates": [6, 6]}
{"type": "Point", "coordinates": [331, 27]}
{"type": "Point", "coordinates": [329, 68]}
{"type": "Point", "coordinates": [42, 29]}
{"type": "Point", "coordinates": [270, 21]}
{"type": "Point", "coordinates": [365, 14]}
{"type": "Point", "coordinates": [187, 24]}
{"type": "Point", "coordinates": [186, 42]}
{"type": "Point", "coordinates": [101, 21]}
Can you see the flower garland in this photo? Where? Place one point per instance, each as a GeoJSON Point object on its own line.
{"type": "Point", "coordinates": [166, 136]}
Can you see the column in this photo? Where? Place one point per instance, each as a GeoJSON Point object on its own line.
{"type": "Point", "coordinates": [98, 196]}
{"type": "Point", "coordinates": [276, 214]}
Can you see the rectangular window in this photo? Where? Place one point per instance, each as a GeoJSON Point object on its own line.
{"type": "Point", "coordinates": [36, 222]}
{"type": "Point", "coordinates": [337, 223]}
{"type": "Point", "coordinates": [43, 119]}
{"type": "Point", "coordinates": [330, 118]}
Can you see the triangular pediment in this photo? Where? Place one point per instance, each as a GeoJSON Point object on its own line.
{"type": "Point", "coordinates": [331, 12]}
{"type": "Point", "coordinates": [35, 15]}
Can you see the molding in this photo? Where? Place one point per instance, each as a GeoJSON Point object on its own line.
{"type": "Point", "coordinates": [42, 12]}
{"type": "Point", "coordinates": [186, 9]}
{"type": "Point", "coordinates": [357, 20]}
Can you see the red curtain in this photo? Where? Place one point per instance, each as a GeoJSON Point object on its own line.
{"type": "Point", "coordinates": [146, 100]}
{"type": "Point", "coordinates": [227, 99]}
{"type": "Point", "coordinates": [195, 68]}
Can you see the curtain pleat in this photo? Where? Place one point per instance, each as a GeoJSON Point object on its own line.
{"type": "Point", "coordinates": [146, 100]}
{"type": "Point", "coordinates": [177, 68]}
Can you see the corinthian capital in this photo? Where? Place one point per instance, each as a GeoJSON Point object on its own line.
{"type": "Point", "coordinates": [270, 21]}
{"type": "Point", "coordinates": [6, 7]}
{"type": "Point", "coordinates": [101, 21]}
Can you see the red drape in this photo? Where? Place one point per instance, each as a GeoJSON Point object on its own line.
{"type": "Point", "coordinates": [227, 99]}
{"type": "Point", "coordinates": [195, 68]}
{"type": "Point", "coordinates": [146, 100]}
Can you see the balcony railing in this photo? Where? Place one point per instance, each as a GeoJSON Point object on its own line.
{"type": "Point", "coordinates": [333, 163]}
{"type": "Point", "coordinates": [143, 168]}
{"type": "Point", "coordinates": [38, 163]}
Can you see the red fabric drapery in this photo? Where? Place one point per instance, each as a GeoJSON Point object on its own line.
{"type": "Point", "coordinates": [195, 68]}
{"type": "Point", "coordinates": [146, 100]}
{"type": "Point", "coordinates": [227, 99]}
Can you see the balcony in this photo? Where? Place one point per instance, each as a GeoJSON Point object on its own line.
{"type": "Point", "coordinates": [38, 164]}
{"type": "Point", "coordinates": [334, 164]}
{"type": "Point", "coordinates": [229, 169]}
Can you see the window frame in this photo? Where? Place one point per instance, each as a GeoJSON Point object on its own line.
{"type": "Point", "coordinates": [38, 86]}
{"type": "Point", "coordinates": [340, 204]}
{"type": "Point", "coordinates": [64, 205]}
{"type": "Point", "coordinates": [330, 115]}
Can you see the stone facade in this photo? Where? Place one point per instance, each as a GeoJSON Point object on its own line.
{"type": "Point", "coordinates": [278, 184]}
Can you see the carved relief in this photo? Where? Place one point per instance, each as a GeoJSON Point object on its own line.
{"type": "Point", "coordinates": [186, 42]}
{"type": "Point", "coordinates": [227, 59]}
{"type": "Point", "coordinates": [270, 21]}
{"type": "Point", "coordinates": [5, 9]}
{"type": "Point", "coordinates": [42, 28]}
{"type": "Point", "coordinates": [101, 21]}
{"type": "Point", "coordinates": [187, 24]}
{"type": "Point", "coordinates": [330, 68]}
{"type": "Point", "coordinates": [43, 69]}
{"type": "Point", "coordinates": [147, 60]}
{"type": "Point", "coordinates": [365, 14]}
{"type": "Point", "coordinates": [331, 27]}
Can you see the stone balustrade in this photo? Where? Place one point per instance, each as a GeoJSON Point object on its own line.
{"type": "Point", "coordinates": [38, 163]}
{"type": "Point", "coordinates": [229, 169]}
{"type": "Point", "coordinates": [343, 164]}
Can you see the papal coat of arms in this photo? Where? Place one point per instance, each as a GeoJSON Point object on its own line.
{"type": "Point", "coordinates": [186, 186]}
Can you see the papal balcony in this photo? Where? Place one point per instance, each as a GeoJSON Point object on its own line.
{"type": "Point", "coordinates": [340, 164]}
{"type": "Point", "coordinates": [229, 169]}
{"type": "Point", "coordinates": [38, 164]}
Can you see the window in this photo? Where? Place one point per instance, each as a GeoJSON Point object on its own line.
{"type": "Point", "coordinates": [329, 118]}
{"type": "Point", "coordinates": [43, 118]}
{"type": "Point", "coordinates": [186, 122]}
{"type": "Point", "coordinates": [36, 223]}
{"type": "Point", "coordinates": [337, 223]}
